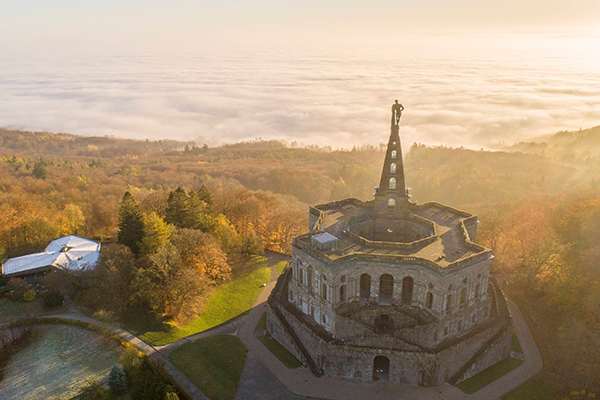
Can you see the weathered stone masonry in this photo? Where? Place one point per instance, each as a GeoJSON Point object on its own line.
{"type": "Point", "coordinates": [391, 291]}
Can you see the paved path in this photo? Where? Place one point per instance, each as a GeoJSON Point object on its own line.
{"type": "Point", "coordinates": [143, 347]}
{"type": "Point", "coordinates": [266, 378]}
{"type": "Point", "coordinates": [300, 382]}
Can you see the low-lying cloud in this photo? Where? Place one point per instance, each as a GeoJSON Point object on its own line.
{"type": "Point", "coordinates": [331, 98]}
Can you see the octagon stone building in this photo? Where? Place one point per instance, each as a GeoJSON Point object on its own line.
{"type": "Point", "coordinates": [388, 290]}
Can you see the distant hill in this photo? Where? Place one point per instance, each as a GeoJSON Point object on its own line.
{"type": "Point", "coordinates": [567, 146]}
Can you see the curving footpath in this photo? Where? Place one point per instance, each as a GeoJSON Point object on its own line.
{"type": "Point", "coordinates": [300, 383]}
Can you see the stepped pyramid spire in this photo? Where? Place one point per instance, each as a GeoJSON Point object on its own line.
{"type": "Point", "coordinates": [392, 184]}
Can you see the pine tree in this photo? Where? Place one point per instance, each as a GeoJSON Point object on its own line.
{"type": "Point", "coordinates": [39, 171]}
{"type": "Point", "coordinates": [117, 380]}
{"type": "Point", "coordinates": [205, 195]}
{"type": "Point", "coordinates": [178, 208]}
{"type": "Point", "coordinates": [198, 216]}
{"type": "Point", "coordinates": [131, 225]}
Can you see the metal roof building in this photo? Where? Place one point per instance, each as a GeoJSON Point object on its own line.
{"type": "Point", "coordinates": [70, 252]}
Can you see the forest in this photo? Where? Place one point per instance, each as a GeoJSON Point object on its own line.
{"type": "Point", "coordinates": [151, 202]}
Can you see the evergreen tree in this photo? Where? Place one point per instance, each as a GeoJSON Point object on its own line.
{"type": "Point", "coordinates": [117, 380]}
{"type": "Point", "coordinates": [178, 208]}
{"type": "Point", "coordinates": [156, 233]}
{"type": "Point", "coordinates": [39, 171]}
{"type": "Point", "coordinates": [147, 382]}
{"type": "Point", "coordinates": [205, 195]}
{"type": "Point", "coordinates": [131, 225]}
{"type": "Point", "coordinates": [198, 217]}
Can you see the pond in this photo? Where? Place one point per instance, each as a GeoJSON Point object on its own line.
{"type": "Point", "coordinates": [60, 361]}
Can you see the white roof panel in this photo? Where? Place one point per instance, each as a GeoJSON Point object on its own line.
{"type": "Point", "coordinates": [71, 252]}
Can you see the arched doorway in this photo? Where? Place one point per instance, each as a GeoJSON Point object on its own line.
{"type": "Point", "coordinates": [384, 324]}
{"type": "Point", "coordinates": [342, 293]}
{"type": "Point", "coordinates": [386, 289]}
{"type": "Point", "coordinates": [365, 287]}
{"type": "Point", "coordinates": [407, 290]}
{"type": "Point", "coordinates": [381, 369]}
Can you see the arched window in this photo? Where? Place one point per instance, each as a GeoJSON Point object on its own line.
{"type": "Point", "coordinates": [343, 293]}
{"type": "Point", "coordinates": [394, 154]}
{"type": "Point", "coordinates": [463, 296]}
{"type": "Point", "coordinates": [365, 287]}
{"type": "Point", "coordinates": [386, 288]}
{"type": "Point", "coordinates": [407, 290]}
{"type": "Point", "coordinates": [449, 302]}
{"type": "Point", "coordinates": [324, 291]}
{"type": "Point", "coordinates": [392, 183]}
{"type": "Point", "coordinates": [477, 290]}
{"type": "Point", "coordinates": [309, 281]}
{"type": "Point", "coordinates": [392, 168]}
{"type": "Point", "coordinates": [391, 205]}
{"type": "Point", "coordinates": [429, 300]}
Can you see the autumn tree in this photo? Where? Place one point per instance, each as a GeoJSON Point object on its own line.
{"type": "Point", "coordinates": [131, 225]}
{"type": "Point", "coordinates": [156, 234]}
{"type": "Point", "coordinates": [168, 286]}
{"type": "Point", "coordinates": [72, 219]}
{"type": "Point", "coordinates": [202, 253]}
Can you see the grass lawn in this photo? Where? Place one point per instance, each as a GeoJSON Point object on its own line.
{"type": "Point", "coordinates": [227, 302]}
{"type": "Point", "coordinates": [287, 358]}
{"type": "Point", "coordinates": [533, 389]}
{"type": "Point", "coordinates": [515, 345]}
{"type": "Point", "coordinates": [489, 375]}
{"type": "Point", "coordinates": [280, 265]}
{"type": "Point", "coordinates": [214, 364]}
{"type": "Point", "coordinates": [262, 323]}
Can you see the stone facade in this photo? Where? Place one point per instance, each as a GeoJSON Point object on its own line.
{"type": "Point", "coordinates": [402, 296]}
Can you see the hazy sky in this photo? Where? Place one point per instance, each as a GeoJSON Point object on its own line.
{"type": "Point", "coordinates": [470, 72]}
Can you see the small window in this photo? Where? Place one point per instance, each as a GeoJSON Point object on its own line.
{"type": "Point", "coordinates": [324, 291]}
{"type": "Point", "coordinates": [430, 285]}
{"type": "Point", "coordinates": [391, 205]}
{"type": "Point", "coordinates": [460, 325]}
{"type": "Point", "coordinates": [392, 183]}
{"type": "Point", "coordinates": [474, 318]}
{"type": "Point", "coordinates": [429, 300]}
{"type": "Point", "coordinates": [463, 296]}
{"type": "Point", "coordinates": [393, 144]}
{"type": "Point", "coordinates": [435, 336]}
{"type": "Point", "coordinates": [446, 331]}
{"type": "Point", "coordinates": [392, 168]}
{"type": "Point", "coordinates": [394, 154]}
{"type": "Point", "coordinates": [343, 278]}
{"type": "Point", "coordinates": [449, 302]}
{"type": "Point", "coordinates": [323, 319]}
{"type": "Point", "coordinates": [465, 281]}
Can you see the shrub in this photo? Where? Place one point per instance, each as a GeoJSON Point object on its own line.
{"type": "Point", "coordinates": [117, 380]}
{"type": "Point", "coordinates": [171, 396]}
{"type": "Point", "coordinates": [29, 295]}
{"type": "Point", "coordinates": [147, 382]}
{"type": "Point", "coordinates": [53, 299]}
{"type": "Point", "coordinates": [17, 288]}
{"type": "Point", "coordinates": [94, 391]}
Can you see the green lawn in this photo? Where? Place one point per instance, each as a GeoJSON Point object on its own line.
{"type": "Point", "coordinates": [489, 375]}
{"type": "Point", "coordinates": [262, 323]}
{"type": "Point", "coordinates": [227, 302]}
{"type": "Point", "coordinates": [280, 265]}
{"type": "Point", "coordinates": [214, 364]}
{"type": "Point", "coordinates": [515, 345]}
{"type": "Point", "coordinates": [533, 389]}
{"type": "Point", "coordinates": [287, 358]}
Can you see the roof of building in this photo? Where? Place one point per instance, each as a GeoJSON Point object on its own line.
{"type": "Point", "coordinates": [69, 252]}
{"type": "Point", "coordinates": [324, 238]}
